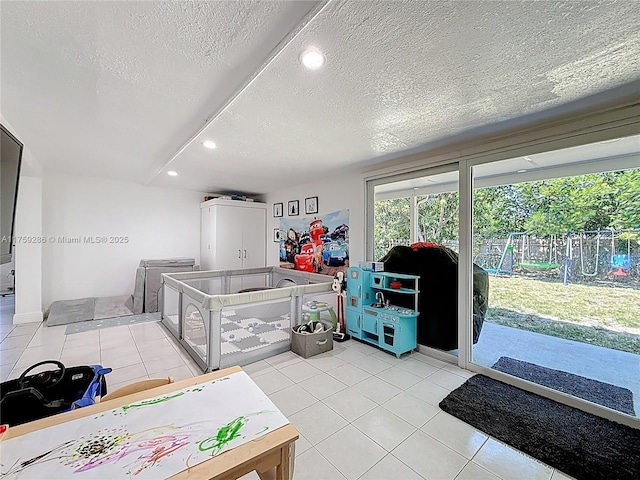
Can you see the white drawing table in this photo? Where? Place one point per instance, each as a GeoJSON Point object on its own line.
{"type": "Point", "coordinates": [270, 455]}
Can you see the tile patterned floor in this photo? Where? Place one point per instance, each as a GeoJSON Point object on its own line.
{"type": "Point", "coordinates": [361, 413]}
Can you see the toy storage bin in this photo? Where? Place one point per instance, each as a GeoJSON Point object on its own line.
{"type": "Point", "coordinates": [309, 344]}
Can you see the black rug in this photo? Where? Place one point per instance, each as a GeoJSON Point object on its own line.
{"type": "Point", "coordinates": [605, 394]}
{"type": "Point", "coordinates": [575, 442]}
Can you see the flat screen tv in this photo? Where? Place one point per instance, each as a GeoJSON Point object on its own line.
{"type": "Point", "coordinates": [10, 160]}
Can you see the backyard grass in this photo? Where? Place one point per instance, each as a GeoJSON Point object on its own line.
{"type": "Point", "coordinates": [606, 316]}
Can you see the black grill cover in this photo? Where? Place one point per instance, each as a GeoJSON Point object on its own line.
{"type": "Point", "coordinates": [437, 267]}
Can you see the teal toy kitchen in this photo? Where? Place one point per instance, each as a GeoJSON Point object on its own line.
{"type": "Point", "coordinates": [372, 318]}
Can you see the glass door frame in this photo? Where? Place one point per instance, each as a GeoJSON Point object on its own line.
{"type": "Point", "coordinates": [370, 185]}
{"type": "Point", "coordinates": [465, 309]}
{"type": "Point", "coordinates": [598, 126]}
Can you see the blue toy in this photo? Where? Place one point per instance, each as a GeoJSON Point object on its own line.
{"type": "Point", "coordinates": [620, 265]}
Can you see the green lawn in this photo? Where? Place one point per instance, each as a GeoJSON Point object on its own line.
{"type": "Point", "coordinates": [598, 315]}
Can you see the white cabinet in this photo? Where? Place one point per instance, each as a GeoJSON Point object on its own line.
{"type": "Point", "coordinates": [233, 235]}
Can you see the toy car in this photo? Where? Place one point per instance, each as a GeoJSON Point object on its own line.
{"type": "Point", "coordinates": [340, 232]}
{"type": "Point", "coordinates": [304, 238]}
{"type": "Point", "coordinates": [345, 247]}
{"type": "Point", "coordinates": [333, 254]}
{"type": "Point", "coordinates": [306, 259]}
{"type": "Point", "coordinates": [31, 397]}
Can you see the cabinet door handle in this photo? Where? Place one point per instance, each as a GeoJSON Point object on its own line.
{"type": "Point", "coordinates": [245, 254]}
{"type": "Point", "coordinates": [359, 318]}
{"type": "Point", "coordinates": [239, 253]}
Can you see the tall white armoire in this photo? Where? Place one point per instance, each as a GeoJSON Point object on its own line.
{"type": "Point", "coordinates": [233, 235]}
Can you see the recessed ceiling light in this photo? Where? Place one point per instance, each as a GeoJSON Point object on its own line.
{"type": "Point", "coordinates": [312, 58]}
{"type": "Point", "coordinates": [521, 171]}
{"type": "Point", "coordinates": [209, 144]}
{"type": "Point", "coordinates": [172, 173]}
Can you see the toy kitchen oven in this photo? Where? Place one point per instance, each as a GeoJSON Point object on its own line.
{"type": "Point", "coordinates": [372, 318]}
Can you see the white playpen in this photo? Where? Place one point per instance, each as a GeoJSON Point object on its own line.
{"type": "Point", "coordinates": [220, 328]}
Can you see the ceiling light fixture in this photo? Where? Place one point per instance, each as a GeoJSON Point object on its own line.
{"type": "Point", "coordinates": [312, 58]}
{"type": "Point", "coordinates": [172, 173]}
{"type": "Point", "coordinates": [528, 159]}
{"type": "Point", "coordinates": [521, 171]}
{"type": "Point", "coordinates": [209, 144]}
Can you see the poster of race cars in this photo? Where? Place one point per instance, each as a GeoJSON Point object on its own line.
{"type": "Point", "coordinates": [317, 244]}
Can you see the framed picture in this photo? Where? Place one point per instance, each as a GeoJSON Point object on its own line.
{"type": "Point", "coordinates": [277, 209]}
{"type": "Point", "coordinates": [294, 208]}
{"type": "Point", "coordinates": [276, 233]}
{"type": "Point", "coordinates": [311, 205]}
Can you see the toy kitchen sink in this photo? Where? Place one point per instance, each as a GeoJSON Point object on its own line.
{"type": "Point", "coordinates": [372, 319]}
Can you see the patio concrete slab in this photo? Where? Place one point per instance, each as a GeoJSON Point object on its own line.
{"type": "Point", "coordinates": [610, 366]}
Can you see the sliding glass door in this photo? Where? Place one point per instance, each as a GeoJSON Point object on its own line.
{"type": "Point", "coordinates": [547, 245]}
{"type": "Point", "coordinates": [415, 230]}
{"type": "Point", "coordinates": [556, 248]}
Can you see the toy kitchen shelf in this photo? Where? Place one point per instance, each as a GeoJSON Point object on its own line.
{"type": "Point", "coordinates": [383, 280]}
{"type": "Point", "coordinates": [371, 319]}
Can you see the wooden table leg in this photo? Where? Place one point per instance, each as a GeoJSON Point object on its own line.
{"type": "Point", "coordinates": [283, 470]}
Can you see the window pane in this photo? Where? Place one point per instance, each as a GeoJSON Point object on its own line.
{"type": "Point", "coordinates": [560, 248]}
{"type": "Point", "coordinates": [392, 224]}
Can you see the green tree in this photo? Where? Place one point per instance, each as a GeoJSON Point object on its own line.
{"type": "Point", "coordinates": [626, 192]}
{"type": "Point", "coordinates": [542, 208]}
{"type": "Point", "coordinates": [391, 224]}
{"type": "Point", "coordinates": [585, 202]}
{"type": "Point", "coordinates": [498, 211]}
{"type": "Point", "coordinates": [438, 217]}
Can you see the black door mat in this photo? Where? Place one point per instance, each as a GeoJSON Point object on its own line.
{"type": "Point", "coordinates": [575, 442]}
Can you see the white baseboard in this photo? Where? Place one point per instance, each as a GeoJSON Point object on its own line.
{"type": "Point", "coordinates": [30, 317]}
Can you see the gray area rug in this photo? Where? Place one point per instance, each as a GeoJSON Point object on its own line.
{"type": "Point", "coordinates": [575, 442]}
{"type": "Point", "coordinates": [64, 312]}
{"type": "Point", "coordinates": [612, 396]}
{"type": "Point", "coordinates": [110, 307]}
{"type": "Point", "coordinates": [112, 322]}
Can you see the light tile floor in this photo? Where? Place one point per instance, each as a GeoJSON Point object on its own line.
{"type": "Point", "coordinates": [361, 413]}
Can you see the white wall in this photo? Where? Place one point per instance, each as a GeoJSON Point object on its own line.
{"type": "Point", "coordinates": [158, 222]}
{"type": "Point", "coordinates": [345, 192]}
{"type": "Point", "coordinates": [28, 255]}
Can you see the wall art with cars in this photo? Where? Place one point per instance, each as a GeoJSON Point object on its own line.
{"type": "Point", "coordinates": [317, 243]}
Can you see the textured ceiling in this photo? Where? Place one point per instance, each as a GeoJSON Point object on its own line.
{"type": "Point", "coordinates": [115, 89]}
{"type": "Point", "coordinates": [112, 89]}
